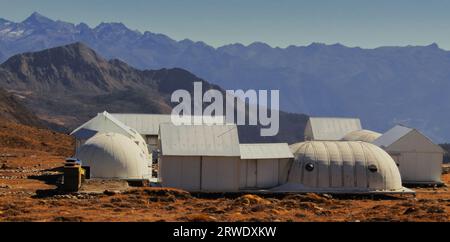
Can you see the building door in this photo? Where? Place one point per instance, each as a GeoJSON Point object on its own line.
{"type": "Point", "coordinates": [267, 173]}
{"type": "Point", "coordinates": [252, 173]}
{"type": "Point", "coordinates": [396, 158]}
{"type": "Point", "coordinates": [248, 174]}
{"type": "Point", "coordinates": [219, 173]}
{"type": "Point", "coordinates": [408, 166]}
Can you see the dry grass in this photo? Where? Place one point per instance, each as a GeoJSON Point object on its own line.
{"type": "Point", "coordinates": [27, 169]}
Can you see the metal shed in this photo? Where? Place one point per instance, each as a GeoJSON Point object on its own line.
{"type": "Point", "coordinates": [322, 128]}
{"type": "Point", "coordinates": [199, 157]}
{"type": "Point", "coordinates": [418, 158]}
{"type": "Point", "coordinates": [362, 135]}
{"type": "Point", "coordinates": [264, 165]}
{"type": "Point", "coordinates": [341, 167]}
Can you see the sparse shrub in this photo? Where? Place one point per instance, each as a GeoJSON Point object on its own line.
{"type": "Point", "coordinates": [249, 199]}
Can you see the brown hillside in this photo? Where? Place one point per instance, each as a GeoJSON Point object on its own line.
{"type": "Point", "coordinates": [16, 137]}
{"type": "Point", "coordinates": [11, 109]}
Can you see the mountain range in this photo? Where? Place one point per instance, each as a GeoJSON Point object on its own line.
{"type": "Point", "coordinates": [66, 86]}
{"type": "Point", "coordinates": [382, 86]}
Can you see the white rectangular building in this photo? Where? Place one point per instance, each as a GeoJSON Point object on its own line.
{"type": "Point", "coordinates": [199, 157]}
{"type": "Point", "coordinates": [418, 158]}
{"type": "Point", "coordinates": [264, 166]}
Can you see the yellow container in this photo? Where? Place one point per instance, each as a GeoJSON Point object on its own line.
{"type": "Point", "coordinates": [73, 176]}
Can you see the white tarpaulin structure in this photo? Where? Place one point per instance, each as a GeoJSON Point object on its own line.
{"type": "Point", "coordinates": [106, 123]}
{"type": "Point", "coordinates": [148, 124]}
{"type": "Point", "coordinates": [114, 156]}
{"type": "Point", "coordinates": [341, 166]}
{"type": "Point", "coordinates": [362, 135]}
{"type": "Point", "coordinates": [418, 158]}
{"type": "Point", "coordinates": [264, 165]}
{"type": "Point", "coordinates": [199, 157]}
{"type": "Point", "coordinates": [321, 128]}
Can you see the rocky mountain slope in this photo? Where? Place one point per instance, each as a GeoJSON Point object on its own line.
{"type": "Point", "coordinates": [11, 109]}
{"type": "Point", "coordinates": [65, 86]}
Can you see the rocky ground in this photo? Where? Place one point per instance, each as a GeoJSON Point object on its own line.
{"type": "Point", "coordinates": [29, 169]}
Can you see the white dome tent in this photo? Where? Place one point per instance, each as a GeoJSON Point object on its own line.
{"type": "Point", "coordinates": [341, 167]}
{"type": "Point", "coordinates": [112, 155]}
{"type": "Point", "coordinates": [106, 123]}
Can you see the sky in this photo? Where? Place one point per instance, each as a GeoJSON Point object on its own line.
{"type": "Point", "coordinates": [279, 23]}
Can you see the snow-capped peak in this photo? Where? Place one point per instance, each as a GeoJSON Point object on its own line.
{"type": "Point", "coordinates": [37, 18]}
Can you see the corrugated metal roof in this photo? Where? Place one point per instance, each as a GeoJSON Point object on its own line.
{"type": "Point", "coordinates": [148, 124]}
{"type": "Point", "coordinates": [332, 128]}
{"type": "Point", "coordinates": [145, 124]}
{"type": "Point", "coordinates": [265, 151]}
{"type": "Point", "coordinates": [392, 136]}
{"type": "Point", "coordinates": [199, 140]}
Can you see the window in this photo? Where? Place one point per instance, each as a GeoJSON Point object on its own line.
{"type": "Point", "coordinates": [373, 168]}
{"type": "Point", "coordinates": [309, 167]}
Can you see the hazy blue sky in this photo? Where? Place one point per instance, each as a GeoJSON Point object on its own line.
{"type": "Point", "coordinates": [365, 23]}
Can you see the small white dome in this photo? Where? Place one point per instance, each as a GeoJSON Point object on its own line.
{"type": "Point", "coordinates": [347, 166]}
{"type": "Point", "coordinates": [113, 155]}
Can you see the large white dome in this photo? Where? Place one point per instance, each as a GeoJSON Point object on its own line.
{"type": "Point", "coordinates": [113, 155]}
{"type": "Point", "coordinates": [342, 166]}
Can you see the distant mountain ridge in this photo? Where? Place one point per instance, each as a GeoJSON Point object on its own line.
{"type": "Point", "coordinates": [65, 86]}
{"type": "Point", "coordinates": [383, 86]}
